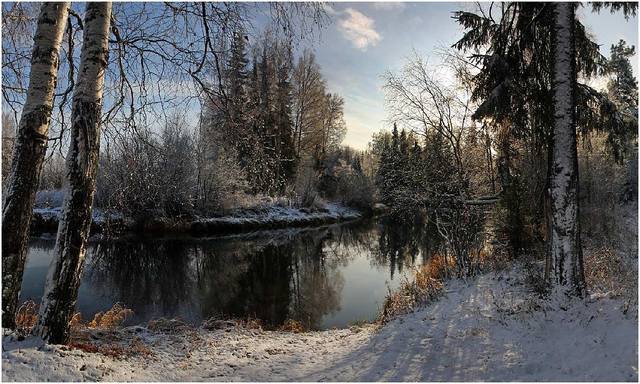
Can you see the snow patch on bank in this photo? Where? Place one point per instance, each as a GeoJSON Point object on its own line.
{"type": "Point", "coordinates": [285, 214]}
{"type": "Point", "coordinates": [485, 329]}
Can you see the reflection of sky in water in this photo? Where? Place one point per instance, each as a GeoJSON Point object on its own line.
{"type": "Point", "coordinates": [325, 277]}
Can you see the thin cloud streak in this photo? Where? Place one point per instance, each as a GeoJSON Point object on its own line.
{"type": "Point", "coordinates": [359, 29]}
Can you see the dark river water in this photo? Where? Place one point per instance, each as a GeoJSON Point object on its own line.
{"type": "Point", "coordinates": [323, 277]}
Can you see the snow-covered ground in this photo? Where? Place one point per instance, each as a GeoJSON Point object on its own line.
{"type": "Point", "coordinates": [485, 329]}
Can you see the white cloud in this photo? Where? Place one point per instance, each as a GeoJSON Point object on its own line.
{"type": "Point", "coordinates": [358, 28]}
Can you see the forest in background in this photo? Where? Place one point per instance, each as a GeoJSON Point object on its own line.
{"type": "Point", "coordinates": [268, 126]}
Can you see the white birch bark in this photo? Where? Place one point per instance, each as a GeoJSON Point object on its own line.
{"type": "Point", "coordinates": [565, 247]}
{"type": "Point", "coordinates": [65, 270]}
{"type": "Point", "coordinates": [29, 152]}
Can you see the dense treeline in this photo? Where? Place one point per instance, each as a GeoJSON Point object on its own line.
{"type": "Point", "coordinates": [277, 120]}
{"type": "Point", "coordinates": [274, 130]}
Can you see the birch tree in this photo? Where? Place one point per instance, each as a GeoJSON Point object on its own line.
{"type": "Point", "coordinates": [30, 150]}
{"type": "Point", "coordinates": [63, 277]}
{"type": "Point", "coordinates": [566, 250]}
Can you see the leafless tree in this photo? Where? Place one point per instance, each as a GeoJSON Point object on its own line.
{"type": "Point", "coordinates": [65, 270]}
{"type": "Point", "coordinates": [31, 147]}
{"type": "Point", "coordinates": [419, 97]}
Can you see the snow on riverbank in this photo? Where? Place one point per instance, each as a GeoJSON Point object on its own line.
{"type": "Point", "coordinates": [277, 214]}
{"type": "Point", "coordinates": [485, 329]}
{"type": "Point", "coordinates": [272, 213]}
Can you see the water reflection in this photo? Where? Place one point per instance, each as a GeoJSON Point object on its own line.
{"type": "Point", "coordinates": [322, 277]}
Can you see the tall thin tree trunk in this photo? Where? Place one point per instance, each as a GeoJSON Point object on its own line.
{"type": "Point", "coordinates": [487, 148]}
{"type": "Point", "coordinates": [63, 278]}
{"type": "Point", "coordinates": [29, 152]}
{"type": "Point", "coordinates": [565, 248]}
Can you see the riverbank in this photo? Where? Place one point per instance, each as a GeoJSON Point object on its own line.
{"type": "Point", "coordinates": [266, 216]}
{"type": "Point", "coordinates": [491, 328]}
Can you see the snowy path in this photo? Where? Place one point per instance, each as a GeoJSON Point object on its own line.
{"type": "Point", "coordinates": [482, 330]}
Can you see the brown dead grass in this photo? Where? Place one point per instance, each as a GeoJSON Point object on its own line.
{"type": "Point", "coordinates": [83, 336]}
{"type": "Point", "coordinates": [292, 326]}
{"type": "Point", "coordinates": [426, 286]}
{"type": "Point", "coordinates": [608, 272]}
{"type": "Point", "coordinates": [135, 347]}
{"type": "Point", "coordinates": [111, 318]}
{"type": "Point", "coordinates": [166, 325]}
{"type": "Point", "coordinates": [26, 316]}
{"type": "Point", "coordinates": [429, 279]}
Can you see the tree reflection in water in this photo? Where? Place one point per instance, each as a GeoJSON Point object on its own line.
{"type": "Point", "coordinates": [405, 243]}
{"type": "Point", "coordinates": [272, 276]}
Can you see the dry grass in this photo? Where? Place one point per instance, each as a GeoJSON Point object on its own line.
{"type": "Point", "coordinates": [426, 286]}
{"type": "Point", "coordinates": [83, 335]}
{"type": "Point", "coordinates": [429, 280]}
{"type": "Point", "coordinates": [292, 326]}
{"type": "Point", "coordinates": [135, 347]}
{"type": "Point", "coordinates": [608, 272]}
{"type": "Point", "coordinates": [26, 316]}
{"type": "Point", "coordinates": [111, 318]}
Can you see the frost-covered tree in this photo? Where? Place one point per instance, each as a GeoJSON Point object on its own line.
{"type": "Point", "coordinates": [29, 152]}
{"type": "Point", "coordinates": [512, 46]}
{"type": "Point", "coordinates": [414, 174]}
{"type": "Point", "coordinates": [65, 270]}
{"type": "Point", "coordinates": [565, 245]}
{"type": "Point", "coordinates": [283, 116]}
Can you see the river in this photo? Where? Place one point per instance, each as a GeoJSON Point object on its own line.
{"type": "Point", "coordinates": [325, 277]}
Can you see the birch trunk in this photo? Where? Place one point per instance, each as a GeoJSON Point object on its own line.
{"type": "Point", "coordinates": [29, 152]}
{"type": "Point", "coordinates": [63, 277]}
{"type": "Point", "coordinates": [565, 247]}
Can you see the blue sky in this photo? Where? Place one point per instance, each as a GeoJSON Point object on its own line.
{"type": "Point", "coordinates": [366, 39]}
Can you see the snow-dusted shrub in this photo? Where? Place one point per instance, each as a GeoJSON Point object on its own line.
{"type": "Point", "coordinates": [178, 169]}
{"type": "Point", "coordinates": [533, 269]}
{"type": "Point", "coordinates": [305, 187]}
{"type": "Point", "coordinates": [222, 181]}
{"type": "Point", "coordinates": [142, 174]}
{"type": "Point", "coordinates": [355, 190]}
{"type": "Point", "coordinates": [460, 225]}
